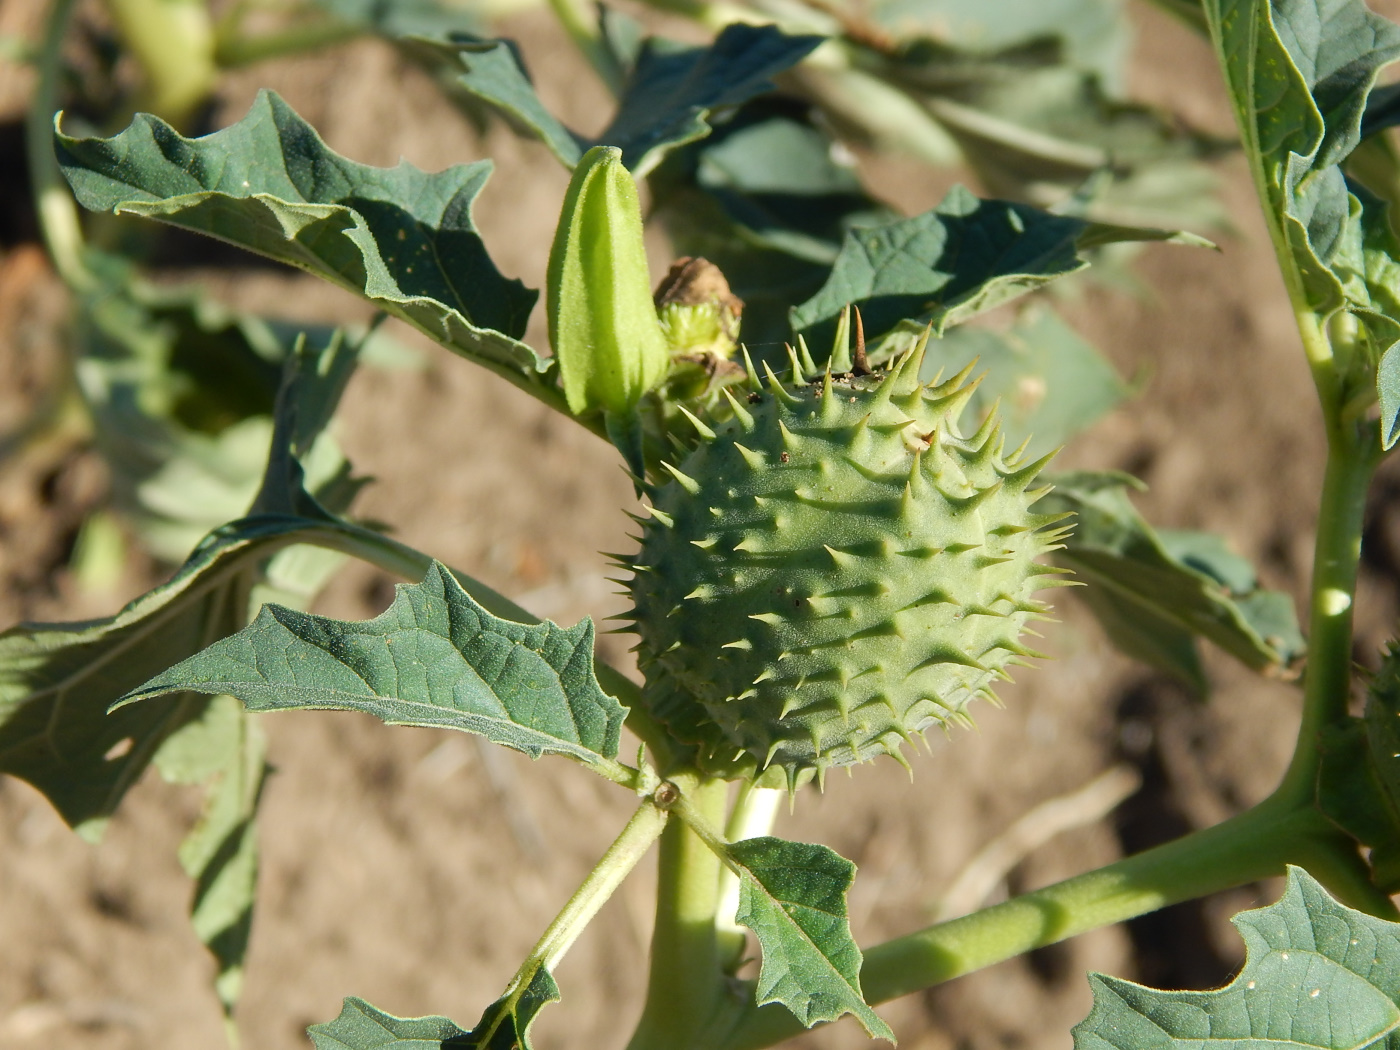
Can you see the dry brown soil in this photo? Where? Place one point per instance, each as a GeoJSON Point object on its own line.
{"type": "Point", "coordinates": [414, 868]}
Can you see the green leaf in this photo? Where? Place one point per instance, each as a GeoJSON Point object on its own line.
{"type": "Point", "coordinates": [670, 92]}
{"type": "Point", "coordinates": [433, 658]}
{"type": "Point", "coordinates": [1316, 975]}
{"type": "Point", "coordinates": [947, 265]}
{"type": "Point", "coordinates": [1049, 382]}
{"type": "Point", "coordinates": [363, 1027]}
{"type": "Point", "coordinates": [793, 896]}
{"type": "Point", "coordinates": [58, 680]}
{"type": "Point", "coordinates": [504, 1026]}
{"type": "Point", "coordinates": [494, 72]}
{"type": "Point", "coordinates": [764, 199]}
{"type": "Point", "coordinates": [224, 750]}
{"type": "Point", "coordinates": [1388, 393]}
{"type": "Point", "coordinates": [398, 18]}
{"type": "Point", "coordinates": [1299, 73]}
{"type": "Point", "coordinates": [1040, 129]}
{"type": "Point", "coordinates": [1359, 782]}
{"type": "Point", "coordinates": [1152, 595]}
{"type": "Point", "coordinates": [1095, 33]}
{"type": "Point", "coordinates": [182, 391]}
{"type": "Point", "coordinates": [400, 237]}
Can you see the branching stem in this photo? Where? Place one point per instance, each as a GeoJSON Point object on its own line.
{"type": "Point", "coordinates": [1352, 455]}
{"type": "Point", "coordinates": [1256, 844]}
{"type": "Point", "coordinates": [687, 991]}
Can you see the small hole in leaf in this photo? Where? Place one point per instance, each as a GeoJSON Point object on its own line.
{"type": "Point", "coordinates": [120, 749]}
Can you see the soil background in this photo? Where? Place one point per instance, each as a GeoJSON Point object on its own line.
{"type": "Point", "coordinates": [414, 868]}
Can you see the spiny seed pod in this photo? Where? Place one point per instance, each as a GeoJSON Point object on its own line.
{"type": "Point", "coordinates": [602, 324]}
{"type": "Point", "coordinates": [835, 569]}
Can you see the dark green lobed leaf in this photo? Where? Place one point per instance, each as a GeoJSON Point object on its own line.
{"type": "Point", "coordinates": [793, 896]}
{"type": "Point", "coordinates": [947, 265]}
{"type": "Point", "coordinates": [433, 658]}
{"type": "Point", "coordinates": [58, 680]}
{"type": "Point", "coordinates": [1153, 595]}
{"type": "Point", "coordinates": [1300, 73]}
{"type": "Point", "coordinates": [505, 1025]}
{"type": "Point", "coordinates": [402, 238]}
{"type": "Point", "coordinates": [1317, 975]}
{"type": "Point", "coordinates": [670, 92]}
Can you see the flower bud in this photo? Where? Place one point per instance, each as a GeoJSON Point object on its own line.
{"type": "Point", "coordinates": [602, 323]}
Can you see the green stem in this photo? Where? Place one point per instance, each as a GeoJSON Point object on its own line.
{"type": "Point", "coordinates": [1352, 455]}
{"type": "Point", "coordinates": [616, 864]}
{"type": "Point", "coordinates": [687, 989]}
{"type": "Point", "coordinates": [1257, 844]}
{"type": "Point", "coordinates": [234, 50]}
{"type": "Point", "coordinates": [646, 825]}
{"type": "Point", "coordinates": [173, 42]}
{"type": "Point", "coordinates": [58, 216]}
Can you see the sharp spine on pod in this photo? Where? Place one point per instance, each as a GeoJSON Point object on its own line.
{"type": "Point", "coordinates": [821, 582]}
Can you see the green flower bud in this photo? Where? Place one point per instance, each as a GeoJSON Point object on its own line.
{"type": "Point", "coordinates": [602, 323]}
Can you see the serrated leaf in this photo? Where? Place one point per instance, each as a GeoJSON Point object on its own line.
{"type": "Point", "coordinates": [402, 238]}
{"type": "Point", "coordinates": [504, 1026]}
{"type": "Point", "coordinates": [224, 750]}
{"type": "Point", "coordinates": [793, 896]}
{"type": "Point", "coordinates": [668, 97]}
{"type": "Point", "coordinates": [672, 91]}
{"type": "Point", "coordinates": [949, 264]}
{"type": "Point", "coordinates": [1388, 393]}
{"type": "Point", "coordinates": [1153, 593]}
{"type": "Point", "coordinates": [363, 1027]}
{"type": "Point", "coordinates": [433, 658]}
{"type": "Point", "coordinates": [57, 680]}
{"type": "Point", "coordinates": [1299, 73]}
{"type": "Point", "coordinates": [1317, 974]}
{"type": "Point", "coordinates": [1096, 33]}
{"type": "Point", "coordinates": [494, 72]}
{"type": "Point", "coordinates": [398, 18]}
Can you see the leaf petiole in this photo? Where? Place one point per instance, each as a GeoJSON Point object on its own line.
{"type": "Point", "coordinates": [616, 864]}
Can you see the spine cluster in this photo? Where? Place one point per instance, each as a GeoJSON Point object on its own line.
{"type": "Point", "coordinates": [833, 568]}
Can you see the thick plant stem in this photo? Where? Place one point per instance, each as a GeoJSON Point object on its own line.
{"type": "Point", "coordinates": [1254, 845]}
{"type": "Point", "coordinates": [687, 989]}
{"type": "Point", "coordinates": [1351, 459]}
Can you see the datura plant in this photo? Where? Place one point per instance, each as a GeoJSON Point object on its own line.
{"type": "Point", "coordinates": [842, 545]}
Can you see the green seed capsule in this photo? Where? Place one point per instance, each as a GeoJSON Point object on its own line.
{"type": "Point", "coordinates": [602, 323]}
